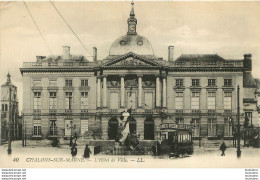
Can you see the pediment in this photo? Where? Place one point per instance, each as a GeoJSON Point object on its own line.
{"type": "Point", "coordinates": [131, 59]}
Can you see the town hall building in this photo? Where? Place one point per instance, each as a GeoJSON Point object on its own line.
{"type": "Point", "coordinates": [69, 94]}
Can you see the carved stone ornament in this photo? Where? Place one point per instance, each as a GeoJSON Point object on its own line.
{"type": "Point", "coordinates": [113, 83]}
{"type": "Point", "coordinates": [131, 83]}
{"type": "Point", "coordinates": [149, 83]}
{"type": "Point", "coordinates": [132, 62]}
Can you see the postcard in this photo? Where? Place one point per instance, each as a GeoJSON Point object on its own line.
{"type": "Point", "coordinates": [130, 84]}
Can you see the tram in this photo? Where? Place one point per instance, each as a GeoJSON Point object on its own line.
{"type": "Point", "coordinates": [175, 140]}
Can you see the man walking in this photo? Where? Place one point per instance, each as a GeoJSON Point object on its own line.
{"type": "Point", "coordinates": [223, 147]}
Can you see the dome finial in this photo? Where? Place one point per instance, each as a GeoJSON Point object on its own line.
{"type": "Point", "coordinates": [132, 13]}
{"type": "Point", "coordinates": [132, 21]}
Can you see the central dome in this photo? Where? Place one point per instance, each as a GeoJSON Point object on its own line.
{"type": "Point", "coordinates": [131, 43]}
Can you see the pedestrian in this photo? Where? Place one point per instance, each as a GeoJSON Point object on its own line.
{"type": "Point", "coordinates": [75, 138]}
{"type": "Point", "coordinates": [87, 152]}
{"type": "Point", "coordinates": [74, 150]}
{"type": "Point", "coordinates": [154, 150]}
{"type": "Point", "coordinates": [223, 147]}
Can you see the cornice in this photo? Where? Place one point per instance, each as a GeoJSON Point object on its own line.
{"type": "Point", "coordinates": [167, 68]}
{"type": "Point", "coordinates": [55, 70]}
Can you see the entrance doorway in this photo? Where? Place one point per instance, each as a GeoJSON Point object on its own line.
{"type": "Point", "coordinates": [149, 129]}
{"type": "Point", "coordinates": [132, 126]}
{"type": "Point", "coordinates": [112, 128]}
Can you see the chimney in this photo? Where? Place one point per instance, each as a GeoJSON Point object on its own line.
{"type": "Point", "coordinates": [40, 58]}
{"type": "Point", "coordinates": [170, 53]}
{"type": "Point", "coordinates": [66, 52]}
{"type": "Point", "coordinates": [248, 62]}
{"type": "Point", "coordinates": [94, 54]}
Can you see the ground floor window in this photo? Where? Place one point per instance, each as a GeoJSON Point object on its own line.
{"type": "Point", "coordinates": [53, 128]}
{"type": "Point", "coordinates": [37, 128]}
{"type": "Point", "coordinates": [83, 126]}
{"type": "Point", "coordinates": [212, 131]}
{"type": "Point", "coordinates": [195, 127]}
{"type": "Point", "coordinates": [112, 128]}
{"type": "Point", "coordinates": [228, 126]}
{"type": "Point", "coordinates": [68, 126]}
{"type": "Point", "coordinates": [149, 129]}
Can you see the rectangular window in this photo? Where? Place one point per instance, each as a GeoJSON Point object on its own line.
{"type": "Point", "coordinates": [84, 82]}
{"type": "Point", "coordinates": [211, 82]}
{"type": "Point", "coordinates": [227, 82]}
{"type": "Point", "coordinates": [68, 126]}
{"type": "Point", "coordinates": [179, 120]}
{"type": "Point", "coordinates": [4, 107]}
{"type": "Point", "coordinates": [84, 100]}
{"type": "Point", "coordinates": [179, 82]}
{"type": "Point", "coordinates": [131, 100]}
{"type": "Point", "coordinates": [228, 126]}
{"type": "Point", "coordinates": [52, 83]}
{"type": "Point", "coordinates": [53, 128]}
{"type": "Point", "coordinates": [37, 100]}
{"type": "Point", "coordinates": [53, 100]}
{"type": "Point", "coordinates": [68, 82]}
{"type": "Point", "coordinates": [195, 82]}
{"type": "Point", "coordinates": [114, 103]}
{"type": "Point", "coordinates": [83, 126]}
{"type": "Point", "coordinates": [148, 100]}
{"type": "Point", "coordinates": [248, 118]}
{"type": "Point", "coordinates": [195, 101]}
{"type": "Point", "coordinates": [212, 124]}
{"type": "Point", "coordinates": [37, 129]}
{"type": "Point", "coordinates": [179, 100]}
{"type": "Point", "coordinates": [211, 100]}
{"type": "Point", "coordinates": [68, 100]}
{"type": "Point", "coordinates": [37, 83]}
{"type": "Point", "coordinates": [195, 127]}
{"type": "Point", "coordinates": [227, 100]}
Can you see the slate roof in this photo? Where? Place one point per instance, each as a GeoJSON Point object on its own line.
{"type": "Point", "coordinates": [199, 57]}
{"type": "Point", "coordinates": [73, 58]}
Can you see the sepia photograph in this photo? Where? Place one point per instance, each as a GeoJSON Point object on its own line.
{"type": "Point", "coordinates": [130, 84]}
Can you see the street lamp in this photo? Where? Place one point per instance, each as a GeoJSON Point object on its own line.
{"type": "Point", "coordinates": [238, 125]}
{"type": "Point", "coordinates": [9, 150]}
{"type": "Point", "coordinates": [71, 127]}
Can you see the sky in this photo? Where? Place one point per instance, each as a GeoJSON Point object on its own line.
{"type": "Point", "coordinates": [229, 29]}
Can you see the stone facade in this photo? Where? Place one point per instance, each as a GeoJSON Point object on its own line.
{"type": "Point", "coordinates": [68, 93]}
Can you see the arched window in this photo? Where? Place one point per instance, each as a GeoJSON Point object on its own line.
{"type": "Point", "coordinates": [132, 126]}
{"type": "Point", "coordinates": [149, 129]}
{"type": "Point", "coordinates": [112, 128]}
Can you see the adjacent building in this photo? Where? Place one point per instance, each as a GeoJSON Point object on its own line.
{"type": "Point", "coordinates": [68, 93]}
{"type": "Point", "coordinates": [9, 101]}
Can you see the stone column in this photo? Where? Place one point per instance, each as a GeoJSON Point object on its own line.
{"type": "Point", "coordinates": [98, 92]}
{"type": "Point", "coordinates": [158, 94]}
{"type": "Point", "coordinates": [122, 91]}
{"type": "Point", "coordinates": [104, 91]}
{"type": "Point", "coordinates": [140, 91]}
{"type": "Point", "coordinates": [164, 92]}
